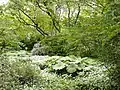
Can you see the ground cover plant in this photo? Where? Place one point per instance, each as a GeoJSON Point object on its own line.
{"type": "Point", "coordinates": [53, 73]}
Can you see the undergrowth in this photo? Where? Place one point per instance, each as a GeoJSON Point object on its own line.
{"type": "Point", "coordinates": [79, 74]}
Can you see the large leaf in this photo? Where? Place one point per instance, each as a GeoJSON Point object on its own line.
{"type": "Point", "coordinates": [66, 58]}
{"type": "Point", "coordinates": [72, 68]}
{"type": "Point", "coordinates": [59, 66]}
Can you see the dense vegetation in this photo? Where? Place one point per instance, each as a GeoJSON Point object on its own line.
{"type": "Point", "coordinates": [60, 45]}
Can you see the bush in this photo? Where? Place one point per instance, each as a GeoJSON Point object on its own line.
{"type": "Point", "coordinates": [68, 65]}
{"type": "Point", "coordinates": [73, 44]}
{"type": "Point", "coordinates": [56, 45]}
{"type": "Point", "coordinates": [28, 41]}
{"type": "Point", "coordinates": [111, 55]}
{"type": "Point", "coordinates": [16, 74]}
{"type": "Point", "coordinates": [86, 40]}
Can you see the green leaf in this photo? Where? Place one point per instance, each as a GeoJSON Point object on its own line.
{"type": "Point", "coordinates": [65, 58]}
{"type": "Point", "coordinates": [59, 66]}
{"type": "Point", "coordinates": [80, 67]}
{"type": "Point", "coordinates": [72, 68]}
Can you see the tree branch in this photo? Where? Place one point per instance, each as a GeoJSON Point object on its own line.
{"type": "Point", "coordinates": [77, 15]}
{"type": "Point", "coordinates": [49, 14]}
{"type": "Point", "coordinates": [35, 24]}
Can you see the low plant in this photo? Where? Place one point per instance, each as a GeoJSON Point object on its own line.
{"type": "Point", "coordinates": [59, 73]}
{"type": "Point", "coordinates": [70, 65]}
{"type": "Point", "coordinates": [14, 75]}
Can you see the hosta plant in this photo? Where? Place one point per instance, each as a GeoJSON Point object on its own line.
{"type": "Point", "coordinates": [69, 65]}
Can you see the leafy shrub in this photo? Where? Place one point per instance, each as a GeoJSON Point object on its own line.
{"type": "Point", "coordinates": [86, 40]}
{"type": "Point", "coordinates": [77, 42]}
{"type": "Point", "coordinates": [28, 41]}
{"type": "Point", "coordinates": [25, 73]}
{"type": "Point", "coordinates": [16, 74]}
{"type": "Point", "coordinates": [80, 73]}
{"type": "Point", "coordinates": [56, 45]}
{"type": "Point", "coordinates": [70, 65]}
{"type": "Point", "coordinates": [111, 55]}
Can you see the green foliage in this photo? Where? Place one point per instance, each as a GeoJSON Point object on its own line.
{"type": "Point", "coordinates": [86, 40]}
{"type": "Point", "coordinates": [56, 45]}
{"type": "Point", "coordinates": [69, 65]}
{"type": "Point", "coordinates": [89, 29]}
{"type": "Point", "coordinates": [111, 55]}
{"type": "Point", "coordinates": [115, 8]}
{"type": "Point", "coordinates": [24, 74]}
{"type": "Point", "coordinates": [28, 41]}
{"type": "Point", "coordinates": [81, 72]}
{"type": "Point", "coordinates": [16, 74]}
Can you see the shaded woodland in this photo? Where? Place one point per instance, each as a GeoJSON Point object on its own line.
{"type": "Point", "coordinates": [60, 45]}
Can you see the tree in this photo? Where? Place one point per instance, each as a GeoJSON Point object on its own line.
{"type": "Point", "coordinates": [33, 13]}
